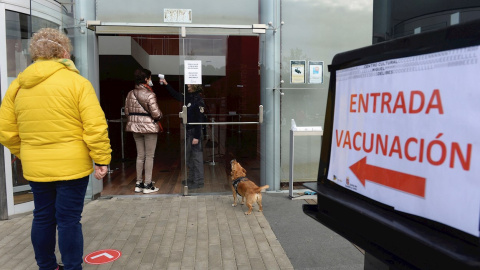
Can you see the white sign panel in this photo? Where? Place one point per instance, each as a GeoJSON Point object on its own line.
{"type": "Point", "coordinates": [193, 72]}
{"type": "Point", "coordinates": [316, 71]}
{"type": "Point", "coordinates": [406, 133]}
{"type": "Point", "coordinates": [177, 15]}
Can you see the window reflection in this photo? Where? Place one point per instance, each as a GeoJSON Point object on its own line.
{"type": "Point", "coordinates": [17, 42]}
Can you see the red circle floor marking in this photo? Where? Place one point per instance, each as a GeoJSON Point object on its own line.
{"type": "Point", "coordinates": [103, 256]}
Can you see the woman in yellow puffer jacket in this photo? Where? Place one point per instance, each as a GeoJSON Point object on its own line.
{"type": "Point", "coordinates": [52, 121]}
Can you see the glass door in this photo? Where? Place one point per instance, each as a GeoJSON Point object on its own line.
{"type": "Point", "coordinates": [222, 113]}
{"type": "Point", "coordinates": [17, 37]}
{"type": "Point", "coordinates": [226, 118]}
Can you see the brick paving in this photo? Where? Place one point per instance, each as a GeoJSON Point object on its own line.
{"type": "Point", "coordinates": [161, 232]}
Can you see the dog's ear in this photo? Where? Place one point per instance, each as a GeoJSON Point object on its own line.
{"type": "Point", "coordinates": [244, 171]}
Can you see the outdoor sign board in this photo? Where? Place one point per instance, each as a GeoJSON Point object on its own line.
{"type": "Point", "coordinates": [406, 133]}
{"type": "Point", "coordinates": [398, 171]}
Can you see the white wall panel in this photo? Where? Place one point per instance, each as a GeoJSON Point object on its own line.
{"type": "Point", "coordinates": [114, 45]}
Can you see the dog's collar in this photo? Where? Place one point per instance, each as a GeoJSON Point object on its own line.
{"type": "Point", "coordinates": [239, 179]}
{"type": "Point", "coordinates": [236, 181]}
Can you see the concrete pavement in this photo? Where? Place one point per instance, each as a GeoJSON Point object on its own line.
{"type": "Point", "coordinates": [188, 232]}
{"type": "Point", "coordinates": [307, 243]}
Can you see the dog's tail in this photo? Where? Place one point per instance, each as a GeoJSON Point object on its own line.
{"type": "Point", "coordinates": [259, 189]}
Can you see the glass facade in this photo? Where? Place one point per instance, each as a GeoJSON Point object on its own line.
{"type": "Point", "coordinates": [325, 29]}
{"type": "Point", "coordinates": [230, 80]}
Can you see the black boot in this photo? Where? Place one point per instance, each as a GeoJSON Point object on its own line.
{"type": "Point", "coordinates": [196, 185]}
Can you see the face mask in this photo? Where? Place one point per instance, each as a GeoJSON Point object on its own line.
{"type": "Point", "coordinates": [150, 83]}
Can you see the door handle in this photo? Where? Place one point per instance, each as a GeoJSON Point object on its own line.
{"type": "Point", "coordinates": [183, 114]}
{"type": "Point", "coordinates": [260, 114]}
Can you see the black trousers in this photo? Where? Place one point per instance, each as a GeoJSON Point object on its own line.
{"type": "Point", "coordinates": [194, 156]}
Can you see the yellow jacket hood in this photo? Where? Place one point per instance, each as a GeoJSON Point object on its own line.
{"type": "Point", "coordinates": [43, 69]}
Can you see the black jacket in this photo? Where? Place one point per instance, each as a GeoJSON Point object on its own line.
{"type": "Point", "coordinates": [195, 109]}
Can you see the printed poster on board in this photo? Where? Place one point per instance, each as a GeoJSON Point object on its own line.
{"type": "Point", "coordinates": [316, 72]}
{"type": "Point", "coordinates": [297, 71]}
{"type": "Point", "coordinates": [406, 134]}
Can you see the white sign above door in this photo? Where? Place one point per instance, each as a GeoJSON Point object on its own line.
{"type": "Point", "coordinates": [177, 15]}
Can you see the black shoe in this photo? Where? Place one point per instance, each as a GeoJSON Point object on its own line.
{"type": "Point", "coordinates": [150, 188]}
{"type": "Point", "coordinates": [139, 187]}
{"type": "Point", "coordinates": [196, 185]}
{"type": "Point", "coordinates": [187, 183]}
{"type": "Point", "coordinates": [60, 267]}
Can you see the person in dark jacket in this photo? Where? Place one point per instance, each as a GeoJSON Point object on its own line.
{"type": "Point", "coordinates": [194, 148]}
{"type": "Point", "coordinates": [143, 113]}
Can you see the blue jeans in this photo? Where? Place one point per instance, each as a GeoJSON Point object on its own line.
{"type": "Point", "coordinates": [59, 204]}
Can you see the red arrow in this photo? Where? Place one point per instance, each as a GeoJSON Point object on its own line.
{"type": "Point", "coordinates": [397, 180]}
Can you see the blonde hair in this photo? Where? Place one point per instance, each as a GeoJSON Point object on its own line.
{"type": "Point", "coordinates": [195, 88]}
{"type": "Point", "coordinates": [49, 43]}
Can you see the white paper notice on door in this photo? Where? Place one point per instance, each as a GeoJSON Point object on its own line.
{"type": "Point", "coordinates": [193, 72]}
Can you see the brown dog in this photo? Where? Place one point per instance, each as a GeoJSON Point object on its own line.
{"type": "Point", "coordinates": [242, 186]}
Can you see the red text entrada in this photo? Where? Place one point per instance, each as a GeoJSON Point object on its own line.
{"type": "Point", "coordinates": [402, 102]}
